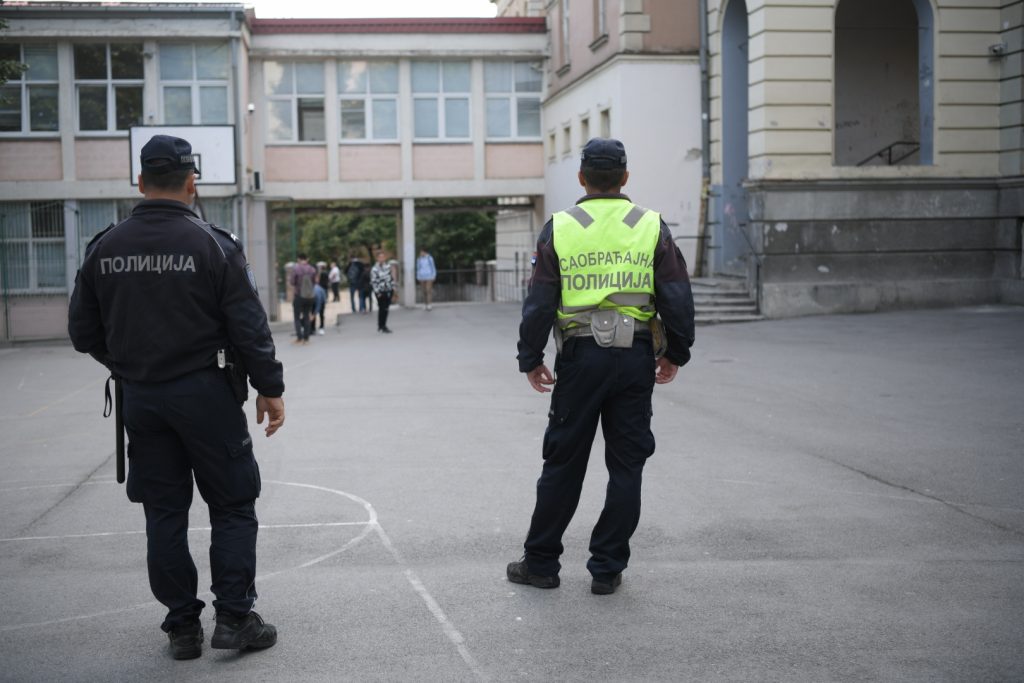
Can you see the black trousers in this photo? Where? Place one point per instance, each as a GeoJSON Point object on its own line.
{"type": "Point", "coordinates": [383, 303]}
{"type": "Point", "coordinates": [305, 319]}
{"type": "Point", "coordinates": [176, 429]}
{"type": "Point", "coordinates": [613, 386]}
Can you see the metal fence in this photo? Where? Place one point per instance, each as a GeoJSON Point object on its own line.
{"type": "Point", "coordinates": [485, 283]}
{"type": "Point", "coordinates": [33, 268]}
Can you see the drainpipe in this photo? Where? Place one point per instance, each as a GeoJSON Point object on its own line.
{"type": "Point", "coordinates": [705, 134]}
{"type": "Point", "coordinates": [239, 203]}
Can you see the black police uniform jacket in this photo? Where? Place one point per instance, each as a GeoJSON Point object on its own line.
{"type": "Point", "coordinates": [159, 293]}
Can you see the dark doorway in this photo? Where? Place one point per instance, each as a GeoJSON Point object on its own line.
{"type": "Point", "coordinates": [731, 256]}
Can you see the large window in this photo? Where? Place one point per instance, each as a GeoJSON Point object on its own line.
{"type": "Point", "coordinates": [369, 100]}
{"type": "Point", "coordinates": [95, 215]}
{"type": "Point", "coordinates": [32, 246]}
{"type": "Point", "coordinates": [28, 103]}
{"type": "Point", "coordinates": [194, 83]}
{"type": "Point", "coordinates": [108, 85]}
{"type": "Point", "coordinates": [513, 99]}
{"type": "Point", "coordinates": [441, 100]}
{"type": "Point", "coordinates": [295, 101]}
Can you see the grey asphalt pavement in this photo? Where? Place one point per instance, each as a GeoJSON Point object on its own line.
{"type": "Point", "coordinates": [832, 499]}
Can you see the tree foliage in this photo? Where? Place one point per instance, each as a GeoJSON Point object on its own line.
{"type": "Point", "coordinates": [456, 239]}
{"type": "Point", "coordinates": [9, 68]}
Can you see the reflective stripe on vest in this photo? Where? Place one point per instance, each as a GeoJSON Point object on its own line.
{"type": "Point", "coordinates": [605, 250]}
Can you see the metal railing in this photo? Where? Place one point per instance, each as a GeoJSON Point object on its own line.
{"type": "Point", "coordinates": [889, 155]}
{"type": "Point", "coordinates": [485, 283]}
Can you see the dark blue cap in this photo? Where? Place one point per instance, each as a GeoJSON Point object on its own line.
{"type": "Point", "coordinates": [603, 153]}
{"type": "Point", "coordinates": [166, 153]}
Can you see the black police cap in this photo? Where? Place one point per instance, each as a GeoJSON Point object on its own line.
{"type": "Point", "coordinates": [166, 153]}
{"type": "Point", "coordinates": [603, 153]}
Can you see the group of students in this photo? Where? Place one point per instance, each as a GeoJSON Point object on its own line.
{"type": "Point", "coordinates": [311, 283]}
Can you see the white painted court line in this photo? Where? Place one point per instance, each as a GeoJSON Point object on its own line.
{"type": "Point", "coordinates": [102, 534]}
{"type": "Point", "coordinates": [370, 525]}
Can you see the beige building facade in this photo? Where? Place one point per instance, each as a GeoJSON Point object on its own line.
{"type": "Point", "coordinates": [626, 69]}
{"type": "Point", "coordinates": [321, 110]}
{"type": "Point", "coordinates": [867, 154]}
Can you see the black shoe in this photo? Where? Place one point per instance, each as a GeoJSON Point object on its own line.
{"type": "Point", "coordinates": [236, 632]}
{"type": "Point", "coordinates": [385, 330]}
{"type": "Point", "coordinates": [186, 641]}
{"type": "Point", "coordinates": [605, 586]}
{"type": "Point", "coordinates": [518, 573]}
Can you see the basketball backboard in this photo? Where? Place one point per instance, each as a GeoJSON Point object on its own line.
{"type": "Point", "coordinates": [213, 145]}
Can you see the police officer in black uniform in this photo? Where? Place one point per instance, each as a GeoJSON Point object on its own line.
{"type": "Point", "coordinates": [599, 378]}
{"type": "Point", "coordinates": [168, 303]}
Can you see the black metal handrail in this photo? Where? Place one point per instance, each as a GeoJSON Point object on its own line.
{"type": "Point", "coordinates": [887, 153]}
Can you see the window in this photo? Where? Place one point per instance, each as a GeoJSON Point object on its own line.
{"type": "Point", "coordinates": [95, 215]}
{"type": "Point", "coordinates": [567, 138]}
{"type": "Point", "coordinates": [194, 83]}
{"type": "Point", "coordinates": [295, 101]}
{"type": "Point", "coordinates": [369, 100]}
{"type": "Point", "coordinates": [600, 25]}
{"type": "Point", "coordinates": [552, 147]}
{"type": "Point", "coordinates": [108, 85]}
{"type": "Point", "coordinates": [33, 246]}
{"type": "Point", "coordinates": [513, 99]}
{"type": "Point", "coordinates": [584, 131]}
{"type": "Point", "coordinates": [441, 100]}
{"type": "Point", "coordinates": [606, 123]}
{"type": "Point", "coordinates": [28, 102]}
{"type": "Point", "coordinates": [564, 33]}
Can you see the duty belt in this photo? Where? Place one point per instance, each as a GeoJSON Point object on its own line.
{"type": "Point", "coordinates": [640, 331]}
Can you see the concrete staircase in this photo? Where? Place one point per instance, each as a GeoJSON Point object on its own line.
{"type": "Point", "coordinates": [723, 300]}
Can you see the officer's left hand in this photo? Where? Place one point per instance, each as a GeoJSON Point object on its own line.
{"type": "Point", "coordinates": [272, 407]}
{"type": "Point", "coordinates": [665, 371]}
{"type": "Point", "coordinates": [540, 378]}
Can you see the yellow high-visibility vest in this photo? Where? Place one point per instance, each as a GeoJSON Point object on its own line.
{"type": "Point", "coordinates": [605, 250]}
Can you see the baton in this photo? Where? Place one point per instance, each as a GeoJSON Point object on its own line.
{"type": "Point", "coordinates": [119, 426]}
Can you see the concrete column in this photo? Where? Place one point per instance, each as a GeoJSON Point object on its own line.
{"type": "Point", "coordinates": [332, 120]}
{"type": "Point", "coordinates": [478, 119]}
{"type": "Point", "coordinates": [66, 108]}
{"type": "Point", "coordinates": [71, 241]}
{"type": "Point", "coordinates": [261, 256]}
{"type": "Point", "coordinates": [406, 129]}
{"type": "Point", "coordinates": [408, 251]}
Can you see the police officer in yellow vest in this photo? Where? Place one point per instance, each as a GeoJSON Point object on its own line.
{"type": "Point", "coordinates": [611, 281]}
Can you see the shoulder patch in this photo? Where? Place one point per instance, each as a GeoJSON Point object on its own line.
{"type": "Point", "coordinates": [228, 233]}
{"type": "Point", "coordinates": [252, 278]}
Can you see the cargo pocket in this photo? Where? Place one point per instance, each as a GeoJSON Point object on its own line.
{"type": "Point", "coordinates": [244, 475]}
{"type": "Point", "coordinates": [132, 485]}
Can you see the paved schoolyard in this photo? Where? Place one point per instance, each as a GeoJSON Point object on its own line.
{"type": "Point", "coordinates": [834, 498]}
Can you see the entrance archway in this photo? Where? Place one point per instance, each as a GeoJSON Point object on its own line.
{"type": "Point", "coordinates": [884, 82]}
{"type": "Point", "coordinates": [733, 249]}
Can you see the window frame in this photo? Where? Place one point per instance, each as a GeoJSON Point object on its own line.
{"type": "Point", "coordinates": [441, 97]}
{"type": "Point", "coordinates": [31, 243]}
{"type": "Point", "coordinates": [368, 98]}
{"type": "Point", "coordinates": [24, 100]}
{"type": "Point", "coordinates": [293, 99]}
{"type": "Point", "coordinates": [514, 97]}
{"type": "Point", "coordinates": [111, 84]}
{"type": "Point", "coordinates": [195, 85]}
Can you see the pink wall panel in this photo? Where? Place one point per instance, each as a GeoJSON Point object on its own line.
{"type": "Point", "coordinates": [290, 164]}
{"type": "Point", "coordinates": [370, 162]}
{"type": "Point", "coordinates": [442, 162]}
{"type": "Point", "coordinates": [515, 161]}
{"type": "Point", "coordinates": [30, 160]}
{"type": "Point", "coordinates": [102, 159]}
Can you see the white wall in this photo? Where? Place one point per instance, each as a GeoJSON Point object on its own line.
{"type": "Point", "coordinates": [654, 107]}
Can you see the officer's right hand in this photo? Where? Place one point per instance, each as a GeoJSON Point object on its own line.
{"type": "Point", "coordinates": [274, 407]}
{"type": "Point", "coordinates": [540, 378]}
